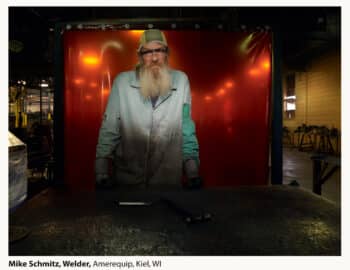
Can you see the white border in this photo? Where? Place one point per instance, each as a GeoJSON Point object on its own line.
{"type": "Point", "coordinates": [228, 262]}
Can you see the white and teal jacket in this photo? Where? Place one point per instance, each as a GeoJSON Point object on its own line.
{"type": "Point", "coordinates": [148, 145]}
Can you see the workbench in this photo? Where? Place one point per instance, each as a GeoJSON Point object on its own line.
{"type": "Point", "coordinates": [245, 220]}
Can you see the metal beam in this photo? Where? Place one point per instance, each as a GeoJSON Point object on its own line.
{"type": "Point", "coordinates": [58, 126]}
{"type": "Point", "coordinates": [277, 113]}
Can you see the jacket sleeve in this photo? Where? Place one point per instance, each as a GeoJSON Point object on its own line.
{"type": "Point", "coordinates": [190, 148]}
{"type": "Point", "coordinates": [109, 135]}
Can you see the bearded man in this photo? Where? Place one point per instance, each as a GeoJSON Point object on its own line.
{"type": "Point", "coordinates": [147, 136]}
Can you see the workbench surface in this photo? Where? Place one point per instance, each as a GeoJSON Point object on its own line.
{"type": "Point", "coordinates": [263, 220]}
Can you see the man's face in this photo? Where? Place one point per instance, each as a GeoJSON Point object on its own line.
{"type": "Point", "coordinates": [154, 55]}
{"type": "Point", "coordinates": [155, 79]}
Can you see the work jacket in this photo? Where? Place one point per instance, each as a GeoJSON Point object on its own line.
{"type": "Point", "coordinates": [148, 144]}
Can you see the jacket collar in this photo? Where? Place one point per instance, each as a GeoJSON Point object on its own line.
{"type": "Point", "coordinates": [135, 82]}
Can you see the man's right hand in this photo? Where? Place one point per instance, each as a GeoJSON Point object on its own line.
{"type": "Point", "coordinates": [103, 181]}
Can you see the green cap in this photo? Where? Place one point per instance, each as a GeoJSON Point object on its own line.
{"type": "Point", "coordinates": [152, 35]}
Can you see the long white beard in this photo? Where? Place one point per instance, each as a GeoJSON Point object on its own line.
{"type": "Point", "coordinates": [154, 81]}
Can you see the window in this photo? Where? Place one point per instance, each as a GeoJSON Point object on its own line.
{"type": "Point", "coordinates": [289, 98]}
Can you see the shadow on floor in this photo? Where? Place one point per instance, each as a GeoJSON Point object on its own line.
{"type": "Point", "coordinates": [297, 166]}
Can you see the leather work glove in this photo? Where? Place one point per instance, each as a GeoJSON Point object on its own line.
{"type": "Point", "coordinates": [102, 175]}
{"type": "Point", "coordinates": [103, 181]}
{"type": "Point", "coordinates": [194, 181]}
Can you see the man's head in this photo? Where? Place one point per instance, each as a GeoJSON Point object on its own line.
{"type": "Point", "coordinates": [154, 75]}
{"type": "Point", "coordinates": [153, 48]}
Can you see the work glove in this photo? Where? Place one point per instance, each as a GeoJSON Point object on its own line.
{"type": "Point", "coordinates": [102, 175]}
{"type": "Point", "coordinates": [103, 181]}
{"type": "Point", "coordinates": [194, 181]}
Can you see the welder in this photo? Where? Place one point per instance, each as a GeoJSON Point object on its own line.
{"type": "Point", "coordinates": [147, 136]}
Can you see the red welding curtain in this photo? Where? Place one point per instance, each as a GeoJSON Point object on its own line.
{"type": "Point", "coordinates": [230, 77]}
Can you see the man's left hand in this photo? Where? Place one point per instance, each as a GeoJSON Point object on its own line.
{"type": "Point", "coordinates": [194, 183]}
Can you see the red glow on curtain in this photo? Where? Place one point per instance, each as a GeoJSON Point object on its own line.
{"type": "Point", "coordinates": [230, 76]}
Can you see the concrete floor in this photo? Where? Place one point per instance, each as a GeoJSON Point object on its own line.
{"type": "Point", "coordinates": [297, 166]}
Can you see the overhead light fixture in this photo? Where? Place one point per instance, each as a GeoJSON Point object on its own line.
{"type": "Point", "coordinates": [21, 82]}
{"type": "Point", "coordinates": [43, 83]}
{"type": "Point", "coordinates": [290, 98]}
